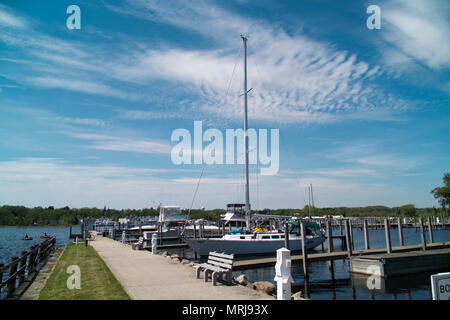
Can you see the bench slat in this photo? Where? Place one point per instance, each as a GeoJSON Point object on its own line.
{"type": "Point", "coordinates": [223, 265]}
{"type": "Point", "coordinates": [221, 255]}
{"type": "Point", "coordinates": [216, 268]}
{"type": "Point", "coordinates": [228, 261]}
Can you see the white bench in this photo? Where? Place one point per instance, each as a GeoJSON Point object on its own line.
{"type": "Point", "coordinates": [138, 245]}
{"type": "Point", "coordinates": [218, 264]}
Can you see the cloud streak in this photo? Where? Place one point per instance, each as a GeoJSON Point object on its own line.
{"type": "Point", "coordinates": [296, 79]}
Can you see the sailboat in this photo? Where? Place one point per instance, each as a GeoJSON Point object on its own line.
{"type": "Point", "coordinates": [246, 242]}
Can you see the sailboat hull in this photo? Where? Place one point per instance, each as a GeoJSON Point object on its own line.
{"type": "Point", "coordinates": [203, 246]}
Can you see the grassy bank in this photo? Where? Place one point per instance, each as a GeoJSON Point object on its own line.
{"type": "Point", "coordinates": [97, 281]}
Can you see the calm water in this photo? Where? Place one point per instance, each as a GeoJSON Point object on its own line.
{"type": "Point", "coordinates": [347, 286]}
{"type": "Point", "coordinates": [11, 243]}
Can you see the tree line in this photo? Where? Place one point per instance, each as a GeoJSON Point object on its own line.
{"type": "Point", "coordinates": [23, 216]}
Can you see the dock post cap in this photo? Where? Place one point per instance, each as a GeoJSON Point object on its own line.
{"type": "Point", "coordinates": [283, 275]}
{"type": "Point", "coordinates": [154, 243]}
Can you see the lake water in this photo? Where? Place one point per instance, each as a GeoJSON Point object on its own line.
{"type": "Point", "coordinates": [347, 286]}
{"type": "Point", "coordinates": [11, 243]}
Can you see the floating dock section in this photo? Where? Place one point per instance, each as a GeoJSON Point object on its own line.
{"type": "Point", "coordinates": [401, 263]}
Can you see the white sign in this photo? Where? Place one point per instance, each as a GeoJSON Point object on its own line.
{"type": "Point", "coordinates": [440, 286]}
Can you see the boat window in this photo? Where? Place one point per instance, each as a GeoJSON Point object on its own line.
{"type": "Point", "coordinates": [275, 237]}
{"type": "Point", "coordinates": [242, 237]}
{"type": "Point", "coordinates": [265, 237]}
{"type": "Point", "coordinates": [282, 237]}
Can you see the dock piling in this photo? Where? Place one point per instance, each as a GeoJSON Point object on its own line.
{"type": "Point", "coordinates": [351, 234]}
{"type": "Point", "coordinates": [366, 235]}
{"type": "Point", "coordinates": [422, 235]}
{"type": "Point", "coordinates": [387, 230]}
{"type": "Point", "coordinates": [304, 253]}
{"type": "Point", "coordinates": [286, 236]}
{"type": "Point", "coordinates": [330, 247]}
{"type": "Point", "coordinates": [400, 232]}
{"type": "Point", "coordinates": [347, 238]}
{"type": "Point", "coordinates": [329, 236]}
{"type": "Point", "coordinates": [430, 230]}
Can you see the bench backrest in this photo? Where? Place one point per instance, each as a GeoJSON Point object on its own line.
{"type": "Point", "coordinates": [221, 260]}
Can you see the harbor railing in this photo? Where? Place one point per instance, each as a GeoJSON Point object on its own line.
{"type": "Point", "coordinates": [23, 269]}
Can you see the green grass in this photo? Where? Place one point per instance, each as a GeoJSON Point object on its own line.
{"type": "Point", "coordinates": [97, 281]}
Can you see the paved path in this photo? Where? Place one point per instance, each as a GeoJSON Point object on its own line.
{"type": "Point", "coordinates": [153, 277]}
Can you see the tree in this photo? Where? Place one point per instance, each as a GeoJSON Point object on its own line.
{"type": "Point", "coordinates": [408, 210]}
{"type": "Point", "coordinates": [443, 193]}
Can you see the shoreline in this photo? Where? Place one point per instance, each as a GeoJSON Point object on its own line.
{"type": "Point", "coordinates": [33, 290]}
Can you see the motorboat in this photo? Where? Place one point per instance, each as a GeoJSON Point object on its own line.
{"type": "Point", "coordinates": [170, 222]}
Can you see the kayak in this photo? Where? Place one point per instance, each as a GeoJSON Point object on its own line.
{"type": "Point", "coordinates": [29, 238]}
{"type": "Point", "coordinates": [46, 237]}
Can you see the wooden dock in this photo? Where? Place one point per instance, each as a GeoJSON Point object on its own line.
{"type": "Point", "coordinates": [401, 263]}
{"type": "Point", "coordinates": [264, 262]}
{"type": "Point", "coordinates": [76, 235]}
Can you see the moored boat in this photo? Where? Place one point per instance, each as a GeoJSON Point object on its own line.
{"type": "Point", "coordinates": [241, 243]}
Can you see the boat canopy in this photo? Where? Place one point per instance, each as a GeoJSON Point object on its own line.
{"type": "Point", "coordinates": [169, 212]}
{"type": "Point", "coordinates": [308, 224]}
{"type": "Point", "coordinates": [236, 207]}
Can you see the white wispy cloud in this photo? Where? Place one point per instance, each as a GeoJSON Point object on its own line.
{"type": "Point", "coordinates": [58, 182]}
{"type": "Point", "coordinates": [295, 78]}
{"type": "Point", "coordinates": [342, 172]}
{"type": "Point", "coordinates": [86, 86]}
{"type": "Point", "coordinates": [83, 121]}
{"type": "Point", "coordinates": [8, 19]}
{"type": "Point", "coordinates": [112, 143]}
{"type": "Point", "coordinates": [373, 154]}
{"type": "Point", "coordinates": [418, 30]}
{"type": "Point", "coordinates": [49, 118]}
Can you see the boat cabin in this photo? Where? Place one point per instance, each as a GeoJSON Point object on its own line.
{"type": "Point", "coordinates": [234, 216]}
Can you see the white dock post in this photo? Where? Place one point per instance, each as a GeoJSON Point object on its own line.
{"type": "Point", "coordinates": [76, 241]}
{"type": "Point", "coordinates": [124, 237]}
{"type": "Point", "coordinates": [154, 243]}
{"type": "Point", "coordinates": [283, 274]}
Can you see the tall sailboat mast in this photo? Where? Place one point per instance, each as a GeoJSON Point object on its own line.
{"type": "Point", "coordinates": [247, 190]}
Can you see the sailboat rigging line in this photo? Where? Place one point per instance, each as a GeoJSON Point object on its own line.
{"type": "Point", "coordinates": [256, 68]}
{"type": "Point", "coordinates": [217, 122]}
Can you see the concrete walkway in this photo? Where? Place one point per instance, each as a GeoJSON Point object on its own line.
{"type": "Point", "coordinates": [154, 277]}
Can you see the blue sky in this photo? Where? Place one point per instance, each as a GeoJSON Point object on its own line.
{"type": "Point", "coordinates": [87, 115]}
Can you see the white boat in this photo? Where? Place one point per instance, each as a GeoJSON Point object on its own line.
{"type": "Point", "coordinates": [253, 243]}
{"type": "Point", "coordinates": [170, 219]}
{"type": "Point", "coordinates": [248, 242]}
